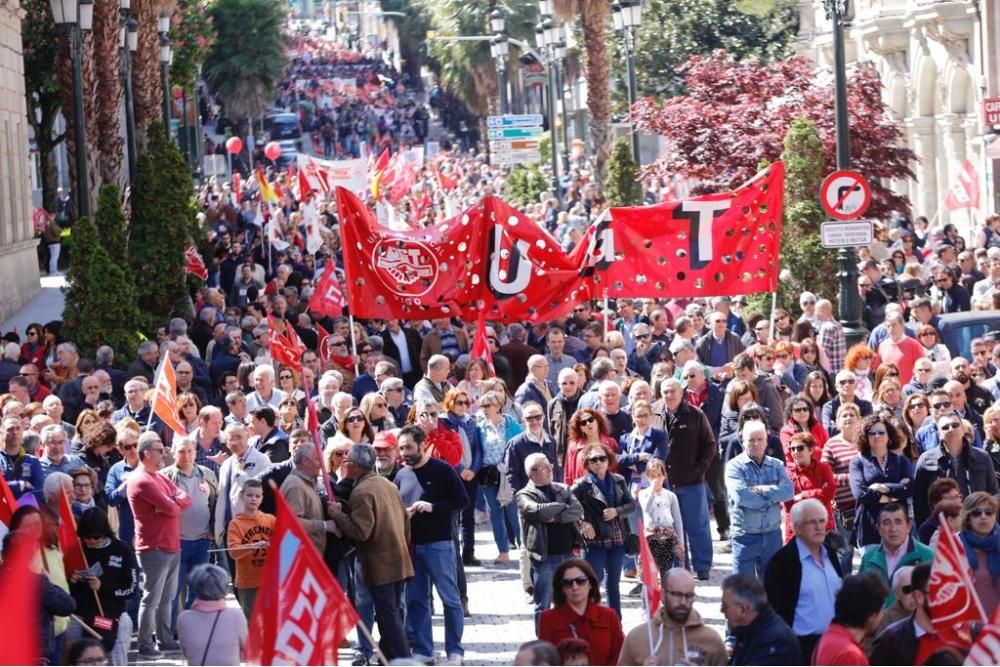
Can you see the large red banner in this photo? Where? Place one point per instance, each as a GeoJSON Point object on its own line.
{"type": "Point", "coordinates": [953, 601]}
{"type": "Point", "coordinates": [493, 258]}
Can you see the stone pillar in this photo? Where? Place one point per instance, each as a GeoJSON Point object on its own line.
{"type": "Point", "coordinates": [18, 260]}
{"type": "Point", "coordinates": [925, 146]}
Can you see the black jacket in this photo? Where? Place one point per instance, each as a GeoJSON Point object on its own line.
{"type": "Point", "coordinates": [520, 448]}
{"type": "Point", "coordinates": [768, 640]}
{"type": "Point", "coordinates": [691, 446]}
{"type": "Point", "coordinates": [594, 503]}
{"type": "Point", "coordinates": [974, 473]}
{"type": "Point", "coordinates": [413, 345]}
{"type": "Point", "coordinates": [783, 577]}
{"type": "Point", "coordinates": [897, 645]}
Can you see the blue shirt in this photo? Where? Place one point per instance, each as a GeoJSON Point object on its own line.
{"type": "Point", "coordinates": [717, 353]}
{"type": "Point", "coordinates": [817, 593]}
{"type": "Point", "coordinates": [68, 462]}
{"type": "Point", "coordinates": [114, 489]}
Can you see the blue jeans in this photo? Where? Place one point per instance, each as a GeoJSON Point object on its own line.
{"type": "Point", "coordinates": [751, 553]}
{"type": "Point", "coordinates": [365, 606]}
{"type": "Point", "coordinates": [845, 555]}
{"type": "Point", "coordinates": [541, 580]}
{"type": "Point", "coordinates": [607, 563]}
{"type": "Point", "coordinates": [434, 563]}
{"type": "Point", "coordinates": [497, 514]}
{"type": "Point", "coordinates": [694, 511]}
{"type": "Point", "coordinates": [193, 553]}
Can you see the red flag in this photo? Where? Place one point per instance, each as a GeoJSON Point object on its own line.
{"type": "Point", "coordinates": [650, 577]}
{"type": "Point", "coordinates": [376, 172]}
{"type": "Point", "coordinates": [481, 342]}
{"type": "Point", "coordinates": [324, 351]}
{"type": "Point", "coordinates": [301, 614]}
{"type": "Point", "coordinates": [444, 181]}
{"type": "Point", "coordinates": [237, 186]}
{"type": "Point", "coordinates": [328, 298]}
{"type": "Point", "coordinates": [165, 397]}
{"type": "Point", "coordinates": [953, 600]}
{"type": "Point", "coordinates": [986, 650]}
{"type": "Point", "coordinates": [964, 192]}
{"type": "Point", "coordinates": [304, 188]}
{"type": "Point", "coordinates": [69, 543]}
{"type": "Point", "coordinates": [8, 503]}
{"type": "Point", "coordinates": [286, 348]}
{"type": "Point", "coordinates": [19, 612]}
{"type": "Point", "coordinates": [195, 265]}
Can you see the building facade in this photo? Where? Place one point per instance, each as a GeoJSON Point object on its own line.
{"type": "Point", "coordinates": [18, 258]}
{"type": "Point", "coordinates": [933, 58]}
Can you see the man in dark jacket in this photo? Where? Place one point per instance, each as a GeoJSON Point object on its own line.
{"type": "Point", "coordinates": [402, 345]}
{"type": "Point", "coordinates": [517, 352]}
{"type": "Point", "coordinates": [145, 363]}
{"type": "Point", "coordinates": [762, 637]}
{"type": "Point", "coordinates": [898, 644]}
{"type": "Point", "coordinates": [719, 346]}
{"type": "Point", "coordinates": [559, 411]}
{"type": "Point", "coordinates": [534, 439]}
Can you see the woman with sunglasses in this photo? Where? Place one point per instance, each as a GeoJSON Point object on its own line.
{"type": "Point", "coordinates": [586, 427]}
{"type": "Point", "coordinates": [606, 503]}
{"type": "Point", "coordinates": [877, 476]}
{"type": "Point", "coordinates": [477, 371]}
{"type": "Point", "coordinates": [353, 429]}
{"type": "Point", "coordinates": [441, 443]}
{"type": "Point", "coordinates": [809, 362]}
{"type": "Point", "coordinates": [935, 350]}
{"type": "Point", "coordinates": [288, 414]}
{"type": "Point", "coordinates": [458, 419]}
{"type": "Point", "coordinates": [495, 431]}
{"type": "Point", "coordinates": [577, 612]}
{"type": "Point", "coordinates": [800, 417]}
{"type": "Point", "coordinates": [916, 409]}
{"type": "Point", "coordinates": [290, 383]}
{"type": "Point", "coordinates": [33, 348]}
{"type": "Point", "coordinates": [811, 478]}
{"type": "Point", "coordinates": [981, 538]}
{"type": "Point", "coordinates": [376, 409]}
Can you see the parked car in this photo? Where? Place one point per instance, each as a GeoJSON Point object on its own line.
{"type": "Point", "coordinates": [971, 325]}
{"type": "Point", "coordinates": [282, 126]}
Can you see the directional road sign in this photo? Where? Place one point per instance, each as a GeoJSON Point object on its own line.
{"type": "Point", "coordinates": [516, 145]}
{"type": "Point", "coordinates": [515, 120]}
{"type": "Point", "coordinates": [845, 195]}
{"type": "Point", "coordinates": [515, 157]}
{"type": "Point", "coordinates": [846, 234]}
{"type": "Point", "coordinates": [495, 133]}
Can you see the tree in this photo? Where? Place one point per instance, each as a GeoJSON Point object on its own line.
{"type": "Point", "coordinates": [107, 118]}
{"type": "Point", "coordinates": [736, 115]}
{"type": "Point", "coordinates": [622, 187]}
{"type": "Point", "coordinates": [674, 30]}
{"type": "Point", "coordinates": [247, 59]}
{"type": "Point", "coordinates": [110, 224]}
{"type": "Point", "coordinates": [40, 40]}
{"type": "Point", "coordinates": [100, 306]}
{"type": "Point", "coordinates": [163, 223]}
{"type": "Point", "coordinates": [191, 36]}
{"type": "Point", "coordinates": [525, 185]}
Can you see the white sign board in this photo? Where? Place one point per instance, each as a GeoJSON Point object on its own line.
{"type": "Point", "coordinates": [846, 234]}
{"type": "Point", "coordinates": [515, 157]}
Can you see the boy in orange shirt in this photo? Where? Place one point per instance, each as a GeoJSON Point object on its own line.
{"type": "Point", "coordinates": [248, 538]}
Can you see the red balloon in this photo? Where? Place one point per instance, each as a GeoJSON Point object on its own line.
{"type": "Point", "coordinates": [234, 145]}
{"type": "Point", "coordinates": [272, 150]}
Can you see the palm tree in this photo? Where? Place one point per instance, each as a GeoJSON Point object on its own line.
{"type": "Point", "coordinates": [593, 21]}
{"type": "Point", "coordinates": [107, 68]}
{"type": "Point", "coordinates": [147, 93]}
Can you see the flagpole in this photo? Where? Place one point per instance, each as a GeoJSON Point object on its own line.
{"type": "Point", "coordinates": [605, 313]}
{"type": "Point", "coordinates": [774, 306]}
{"type": "Point", "coordinates": [354, 344]}
{"type": "Point", "coordinates": [363, 629]}
{"type": "Point", "coordinates": [315, 434]}
{"type": "Point", "coordinates": [156, 392]}
{"type": "Point", "coordinates": [86, 564]}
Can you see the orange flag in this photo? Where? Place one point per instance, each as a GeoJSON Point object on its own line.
{"type": "Point", "coordinates": [165, 397]}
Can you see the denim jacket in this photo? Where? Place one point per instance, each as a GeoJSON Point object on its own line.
{"type": "Point", "coordinates": [753, 514]}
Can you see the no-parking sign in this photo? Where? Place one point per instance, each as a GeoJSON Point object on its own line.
{"type": "Point", "coordinates": [845, 195]}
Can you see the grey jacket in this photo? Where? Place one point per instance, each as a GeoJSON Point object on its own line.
{"type": "Point", "coordinates": [537, 510]}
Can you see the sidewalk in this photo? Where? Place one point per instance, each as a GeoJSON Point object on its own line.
{"type": "Point", "coordinates": [45, 307]}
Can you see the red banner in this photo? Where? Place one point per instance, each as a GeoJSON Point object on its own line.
{"type": "Point", "coordinates": [328, 298]}
{"type": "Point", "coordinates": [69, 543]}
{"type": "Point", "coordinates": [194, 263]}
{"type": "Point", "coordinates": [286, 347]}
{"type": "Point", "coordinates": [301, 614]}
{"type": "Point", "coordinates": [964, 192]}
{"type": "Point", "coordinates": [650, 575]}
{"type": "Point", "coordinates": [953, 600]}
{"type": "Point", "coordinates": [8, 504]}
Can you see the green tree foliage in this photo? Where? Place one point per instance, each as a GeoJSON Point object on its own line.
{"type": "Point", "coordinates": [163, 223]}
{"type": "Point", "coordinates": [247, 59]}
{"type": "Point", "coordinates": [110, 223]}
{"type": "Point", "coordinates": [622, 187]}
{"type": "Point", "coordinates": [191, 36]}
{"type": "Point", "coordinates": [100, 302]}
{"type": "Point", "coordinates": [525, 185]}
{"type": "Point", "coordinates": [40, 43]}
{"type": "Point", "coordinates": [674, 30]}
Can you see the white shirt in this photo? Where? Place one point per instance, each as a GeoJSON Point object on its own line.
{"type": "Point", "coordinates": [399, 338]}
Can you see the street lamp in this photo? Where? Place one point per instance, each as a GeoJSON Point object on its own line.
{"type": "Point", "coordinates": [548, 34]}
{"type": "Point", "coordinates": [166, 54]}
{"type": "Point", "coordinates": [838, 11]}
{"type": "Point", "coordinates": [626, 17]}
{"type": "Point", "coordinates": [128, 43]}
{"type": "Point", "coordinates": [499, 48]}
{"type": "Point", "coordinates": [77, 16]}
{"type": "Point", "coordinates": [560, 88]}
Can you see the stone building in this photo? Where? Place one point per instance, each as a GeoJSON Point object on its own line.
{"type": "Point", "coordinates": [18, 258]}
{"type": "Point", "coordinates": [937, 60]}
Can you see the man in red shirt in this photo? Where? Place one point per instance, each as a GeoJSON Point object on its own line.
{"type": "Point", "coordinates": [157, 505]}
{"type": "Point", "coordinates": [857, 613]}
{"type": "Point", "coordinates": [899, 349]}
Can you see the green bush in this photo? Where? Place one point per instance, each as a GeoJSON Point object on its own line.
{"type": "Point", "coordinates": [622, 186]}
{"type": "Point", "coordinates": [110, 222]}
{"type": "Point", "coordinates": [525, 185]}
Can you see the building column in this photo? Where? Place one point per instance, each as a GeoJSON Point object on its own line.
{"type": "Point", "coordinates": [925, 146]}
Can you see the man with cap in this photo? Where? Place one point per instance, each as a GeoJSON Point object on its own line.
{"type": "Point", "coordinates": [386, 455]}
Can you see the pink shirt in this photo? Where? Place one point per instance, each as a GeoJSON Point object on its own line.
{"type": "Point", "coordinates": [903, 354]}
{"type": "Point", "coordinates": [157, 505]}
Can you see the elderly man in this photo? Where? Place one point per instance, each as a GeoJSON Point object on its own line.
{"type": "Point", "coordinates": [804, 576]}
{"type": "Point", "coordinates": [53, 407]}
{"type": "Point", "coordinates": [694, 643]}
{"type": "Point", "coordinates": [396, 398]}
{"type": "Point", "coordinates": [185, 382]}
{"type": "Point", "coordinates": [265, 393]}
{"type": "Point", "coordinates": [761, 636]}
{"type": "Point", "coordinates": [560, 410]}
{"type": "Point", "coordinates": [244, 463]}
{"type": "Point", "coordinates": [691, 448]}
{"type": "Point", "coordinates": [899, 643]}
{"type": "Point", "coordinates": [533, 440]}
{"type": "Point", "coordinates": [55, 459]}
{"type": "Point", "coordinates": [536, 387]}
{"type": "Point", "coordinates": [602, 369]}
{"type": "Point", "coordinates": [434, 385]}
{"type": "Point", "coordinates": [619, 420]}
{"type": "Point", "coordinates": [157, 505]}
{"type": "Point", "coordinates": [135, 403]}
{"type": "Point", "coordinates": [145, 362]}
{"type": "Point", "coordinates": [756, 485]}
{"type": "Point", "coordinates": [719, 346]}
{"type": "Point", "coordinates": [638, 360]}
{"type": "Point", "coordinates": [377, 521]}
{"type": "Point", "coordinates": [902, 590]}
{"type": "Point", "coordinates": [846, 384]}
{"type": "Point", "coordinates": [201, 485]}
{"type": "Point", "coordinates": [22, 471]}
{"type": "Point", "coordinates": [299, 489]}
{"type": "Point", "coordinates": [549, 513]}
{"type": "Point", "coordinates": [898, 547]}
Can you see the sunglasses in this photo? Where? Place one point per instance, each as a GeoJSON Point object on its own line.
{"type": "Point", "coordinates": [587, 421]}
{"type": "Point", "coordinates": [429, 414]}
{"type": "Point", "coordinates": [981, 511]}
{"type": "Point", "coordinates": [285, 377]}
{"type": "Point", "coordinates": [689, 376]}
{"type": "Point", "coordinates": [532, 418]}
{"type": "Point", "coordinates": [800, 408]}
{"type": "Point", "coordinates": [799, 448]}
{"type": "Point", "coordinates": [126, 448]}
{"type": "Point", "coordinates": [461, 402]}
{"type": "Point", "coordinates": [641, 336]}
{"type": "Point", "coordinates": [354, 419]}
{"type": "Point", "coordinates": [876, 434]}
{"type": "Point", "coordinates": [944, 428]}
{"type": "Point", "coordinates": [576, 581]}
{"type": "Point", "coordinates": [845, 382]}
{"type": "Point", "coordinates": [942, 406]}
{"type": "Point", "coordinates": [339, 454]}
{"type": "Point", "coordinates": [597, 459]}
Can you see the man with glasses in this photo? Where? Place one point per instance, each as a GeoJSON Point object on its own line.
{"type": "Point", "coordinates": [694, 643]}
{"type": "Point", "coordinates": [953, 298]}
{"type": "Point", "coordinates": [396, 397]}
{"type": "Point", "coordinates": [902, 590]}
{"type": "Point", "coordinates": [55, 459]}
{"type": "Point", "coordinates": [185, 382]}
{"type": "Point", "coordinates": [265, 393]}
{"type": "Point", "coordinates": [846, 384]}
{"type": "Point", "coordinates": [928, 436]}
{"type": "Point", "coordinates": [22, 471]}
{"type": "Point", "coordinates": [157, 505]}
{"type": "Point", "coordinates": [36, 390]}
{"type": "Point", "coordinates": [536, 388]}
{"type": "Point", "coordinates": [559, 411]}
{"type": "Point", "coordinates": [707, 397]}
{"type": "Point", "coordinates": [982, 291]}
{"type": "Point", "coordinates": [720, 346]}
{"type": "Point", "coordinates": [804, 576]}
{"type": "Point", "coordinates": [956, 458]}
{"type": "Point", "coordinates": [135, 403]}
{"type": "Point", "coordinates": [898, 643]}
{"type": "Point", "coordinates": [920, 383]}
{"type": "Point", "coordinates": [897, 548]}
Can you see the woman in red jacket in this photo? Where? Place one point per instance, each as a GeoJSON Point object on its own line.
{"type": "Point", "coordinates": [810, 477]}
{"type": "Point", "coordinates": [800, 417]}
{"type": "Point", "coordinates": [577, 612]}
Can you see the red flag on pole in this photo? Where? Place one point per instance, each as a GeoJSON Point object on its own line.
{"type": "Point", "coordinates": [194, 263]}
{"type": "Point", "coordinates": [286, 348]}
{"type": "Point", "coordinates": [323, 351]}
{"type": "Point", "coordinates": [304, 188]}
{"type": "Point", "coordinates": [237, 186]}
{"type": "Point", "coordinates": [481, 343]}
{"type": "Point", "coordinates": [165, 397]}
{"type": "Point", "coordinates": [69, 543]}
{"type": "Point", "coordinates": [8, 503]}
{"type": "Point", "coordinates": [19, 612]}
{"type": "Point", "coordinates": [964, 191]}
{"type": "Point", "coordinates": [953, 600]}
{"type": "Point", "coordinates": [986, 650]}
{"type": "Point", "coordinates": [301, 614]}
{"type": "Point", "coordinates": [328, 298]}
{"type": "Point", "coordinates": [650, 577]}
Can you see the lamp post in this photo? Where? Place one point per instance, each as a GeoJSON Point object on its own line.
{"type": "Point", "coordinates": [849, 299]}
{"type": "Point", "coordinates": [626, 16]}
{"type": "Point", "coordinates": [166, 54]}
{"type": "Point", "coordinates": [548, 34]}
{"type": "Point", "coordinates": [499, 48]}
{"type": "Point", "coordinates": [77, 16]}
{"type": "Point", "coordinates": [561, 86]}
{"type": "Point", "coordinates": [129, 42]}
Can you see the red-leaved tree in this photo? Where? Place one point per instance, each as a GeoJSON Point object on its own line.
{"type": "Point", "coordinates": [735, 115]}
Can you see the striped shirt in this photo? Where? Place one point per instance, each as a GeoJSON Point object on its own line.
{"type": "Point", "coordinates": [838, 453]}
